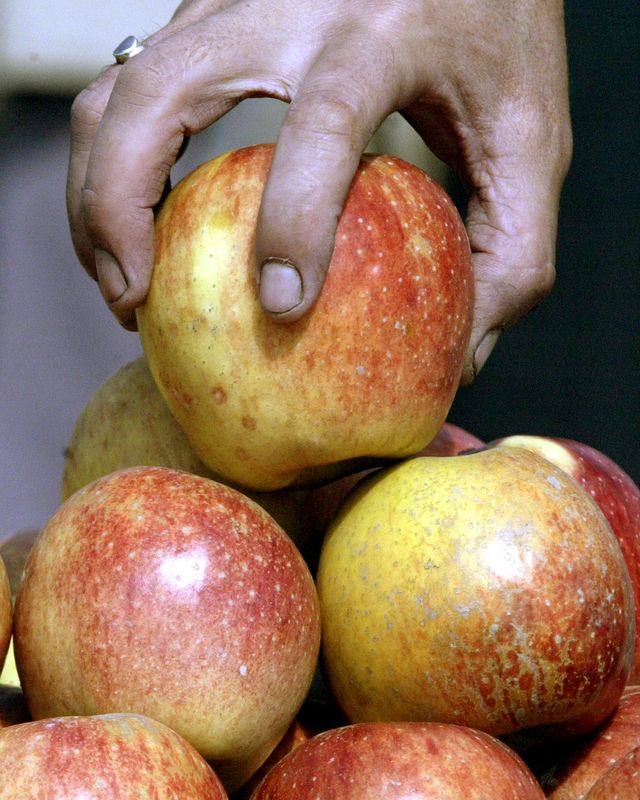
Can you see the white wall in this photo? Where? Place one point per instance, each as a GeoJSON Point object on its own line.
{"type": "Point", "coordinates": [59, 45]}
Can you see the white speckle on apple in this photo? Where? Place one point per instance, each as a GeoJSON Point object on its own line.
{"type": "Point", "coordinates": [243, 670]}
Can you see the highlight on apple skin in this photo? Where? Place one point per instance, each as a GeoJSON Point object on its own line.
{"type": "Point", "coordinates": [484, 589]}
{"type": "Point", "coordinates": [615, 492]}
{"type": "Point", "coordinates": [168, 594]}
{"type": "Point", "coordinates": [369, 373]}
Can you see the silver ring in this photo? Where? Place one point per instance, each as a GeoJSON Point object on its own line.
{"type": "Point", "coordinates": [127, 48]}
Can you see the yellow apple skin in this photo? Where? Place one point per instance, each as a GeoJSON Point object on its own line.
{"type": "Point", "coordinates": [486, 590]}
{"type": "Point", "coordinates": [370, 372]}
{"type": "Point", "coordinates": [6, 613]}
{"type": "Point", "coordinates": [126, 423]}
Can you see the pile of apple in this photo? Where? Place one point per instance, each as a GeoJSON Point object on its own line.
{"type": "Point", "coordinates": [278, 572]}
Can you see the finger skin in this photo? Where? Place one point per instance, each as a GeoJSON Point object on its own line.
{"type": "Point", "coordinates": [484, 83]}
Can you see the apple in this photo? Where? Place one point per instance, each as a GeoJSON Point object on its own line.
{"type": "Point", "coordinates": [612, 489]}
{"type": "Point", "coordinates": [14, 550]}
{"type": "Point", "coordinates": [588, 759]}
{"type": "Point", "coordinates": [13, 707]}
{"type": "Point", "coordinates": [619, 782]}
{"type": "Point", "coordinates": [6, 613]}
{"type": "Point", "coordinates": [314, 717]}
{"type": "Point", "coordinates": [163, 593]}
{"type": "Point", "coordinates": [9, 672]}
{"type": "Point", "coordinates": [370, 372]}
{"type": "Point", "coordinates": [395, 761]}
{"type": "Point", "coordinates": [126, 423]}
{"type": "Point", "coordinates": [484, 589]}
{"type": "Point", "coordinates": [103, 757]}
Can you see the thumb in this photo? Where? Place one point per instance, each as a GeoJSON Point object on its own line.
{"type": "Point", "coordinates": [513, 238]}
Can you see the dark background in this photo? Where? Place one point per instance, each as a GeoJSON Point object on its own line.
{"type": "Point", "coordinates": [570, 369]}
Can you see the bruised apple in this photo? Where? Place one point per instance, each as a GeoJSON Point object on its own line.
{"type": "Point", "coordinates": [103, 757]}
{"type": "Point", "coordinates": [484, 589]}
{"type": "Point", "coordinates": [370, 372]}
{"type": "Point", "coordinates": [397, 761]}
{"type": "Point", "coordinates": [167, 594]}
{"type": "Point", "coordinates": [612, 489]}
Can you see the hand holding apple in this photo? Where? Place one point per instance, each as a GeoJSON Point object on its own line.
{"type": "Point", "coordinates": [103, 757]}
{"type": "Point", "coordinates": [484, 589]}
{"type": "Point", "coordinates": [395, 761]}
{"type": "Point", "coordinates": [369, 372]}
{"type": "Point", "coordinates": [168, 594]}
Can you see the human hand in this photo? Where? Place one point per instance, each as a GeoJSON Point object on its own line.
{"type": "Point", "coordinates": [484, 83]}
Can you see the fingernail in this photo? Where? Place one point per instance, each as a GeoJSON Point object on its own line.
{"type": "Point", "coordinates": [280, 286]}
{"type": "Point", "coordinates": [112, 282]}
{"type": "Point", "coordinates": [483, 350]}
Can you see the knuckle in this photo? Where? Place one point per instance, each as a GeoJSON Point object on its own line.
{"type": "Point", "coordinates": [325, 112]}
{"type": "Point", "coordinates": [87, 108]}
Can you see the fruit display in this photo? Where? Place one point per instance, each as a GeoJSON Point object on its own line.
{"type": "Point", "coordinates": [370, 372]}
{"type": "Point", "coordinates": [279, 571]}
{"type": "Point", "coordinates": [126, 423]}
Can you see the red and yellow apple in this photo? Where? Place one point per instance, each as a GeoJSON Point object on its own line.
{"type": "Point", "coordinates": [126, 423]}
{"type": "Point", "coordinates": [123, 756]}
{"type": "Point", "coordinates": [397, 761]}
{"type": "Point", "coordinates": [370, 372]}
{"type": "Point", "coordinates": [612, 489]}
{"type": "Point", "coordinates": [485, 589]}
{"type": "Point", "coordinates": [588, 759]}
{"type": "Point", "coordinates": [167, 594]}
{"type": "Point", "coordinates": [620, 782]}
